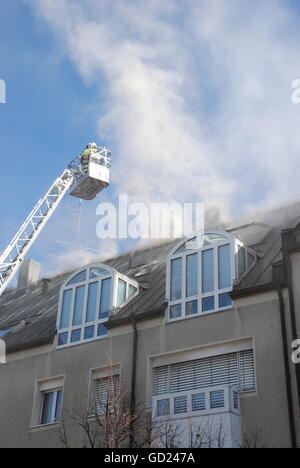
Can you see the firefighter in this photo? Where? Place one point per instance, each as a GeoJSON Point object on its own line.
{"type": "Point", "coordinates": [90, 149]}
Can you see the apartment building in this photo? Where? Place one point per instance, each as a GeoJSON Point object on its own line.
{"type": "Point", "coordinates": [197, 331]}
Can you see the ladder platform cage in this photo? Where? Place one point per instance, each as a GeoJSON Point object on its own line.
{"type": "Point", "coordinates": [90, 181]}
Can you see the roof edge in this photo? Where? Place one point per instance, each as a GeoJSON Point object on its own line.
{"type": "Point", "coordinates": [148, 314]}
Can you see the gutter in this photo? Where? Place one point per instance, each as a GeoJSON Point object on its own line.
{"type": "Point", "coordinates": [32, 345]}
{"type": "Point", "coordinates": [133, 320]}
{"type": "Point", "coordinates": [127, 320]}
{"type": "Point", "coordinates": [133, 379]}
{"type": "Point", "coordinates": [251, 290]}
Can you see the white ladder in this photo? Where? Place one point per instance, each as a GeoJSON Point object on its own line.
{"type": "Point", "coordinates": [13, 256]}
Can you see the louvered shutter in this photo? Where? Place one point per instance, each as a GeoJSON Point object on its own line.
{"type": "Point", "coordinates": [224, 370]}
{"type": "Point", "coordinates": [188, 376]}
{"type": "Point", "coordinates": [247, 371]}
{"type": "Point", "coordinates": [106, 389]}
{"type": "Point", "coordinates": [217, 399]}
{"type": "Point", "coordinates": [235, 369]}
{"type": "Point", "coordinates": [161, 380]}
{"type": "Point", "coordinates": [203, 373]}
{"type": "Point", "coordinates": [180, 405]}
{"type": "Point", "coordinates": [198, 402]}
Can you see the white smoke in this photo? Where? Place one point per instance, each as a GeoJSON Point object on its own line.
{"type": "Point", "coordinates": [197, 94]}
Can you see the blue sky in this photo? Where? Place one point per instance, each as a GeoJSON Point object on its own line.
{"type": "Point", "coordinates": [48, 117]}
{"type": "Point", "coordinates": [193, 99]}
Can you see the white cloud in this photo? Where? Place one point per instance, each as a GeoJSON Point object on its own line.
{"type": "Point", "coordinates": [198, 94]}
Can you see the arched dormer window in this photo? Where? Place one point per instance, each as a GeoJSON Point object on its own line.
{"type": "Point", "coordinates": [86, 300]}
{"type": "Point", "coordinates": [201, 272]}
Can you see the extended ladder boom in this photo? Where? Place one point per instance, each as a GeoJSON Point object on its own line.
{"type": "Point", "coordinates": [14, 254]}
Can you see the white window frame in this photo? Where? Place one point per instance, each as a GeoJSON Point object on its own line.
{"type": "Point", "coordinates": [114, 276]}
{"type": "Point", "coordinates": [42, 387]}
{"type": "Point", "coordinates": [98, 374]}
{"type": "Point", "coordinates": [234, 244]}
{"type": "Point", "coordinates": [113, 376]}
{"type": "Point", "coordinates": [53, 419]}
{"type": "Point", "coordinates": [228, 407]}
{"type": "Point", "coordinates": [240, 244]}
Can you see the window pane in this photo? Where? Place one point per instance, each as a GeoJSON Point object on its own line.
{"type": "Point", "coordinates": [241, 260]}
{"type": "Point", "coordinates": [208, 304]}
{"type": "Point", "coordinates": [107, 391]}
{"type": "Point", "coordinates": [80, 278]}
{"type": "Point", "coordinates": [78, 307]}
{"type": "Point", "coordinates": [180, 405]}
{"type": "Point", "coordinates": [98, 271]}
{"type": "Point", "coordinates": [132, 290]}
{"type": "Point", "coordinates": [121, 292]}
{"type": "Point", "coordinates": [58, 406]}
{"type": "Point", "coordinates": [48, 400]}
{"type": "Point", "coordinates": [89, 333]}
{"type": "Point", "coordinates": [247, 371]}
{"type": "Point", "coordinates": [66, 309]}
{"type": "Point", "coordinates": [191, 244]}
{"type": "Point", "coordinates": [163, 407]}
{"type": "Point", "coordinates": [213, 239]}
{"type": "Point", "coordinates": [161, 380]}
{"type": "Point", "coordinates": [191, 308]}
{"type": "Point", "coordinates": [62, 339]}
{"type": "Point", "coordinates": [224, 267]}
{"type": "Point", "coordinates": [92, 302]}
{"type": "Point", "coordinates": [102, 330]}
{"type": "Point", "coordinates": [207, 271]}
{"type": "Point", "coordinates": [217, 399]}
{"type": "Point", "coordinates": [175, 311]}
{"type": "Point", "coordinates": [236, 400]}
{"type": "Point", "coordinates": [176, 279]}
{"type": "Point", "coordinates": [225, 300]}
{"type": "Point", "coordinates": [198, 402]}
{"type": "Point", "coordinates": [105, 305]}
{"type": "Point", "coordinates": [76, 335]}
{"type": "Point", "coordinates": [191, 275]}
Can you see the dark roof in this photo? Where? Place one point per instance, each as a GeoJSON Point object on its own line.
{"type": "Point", "coordinates": [35, 313]}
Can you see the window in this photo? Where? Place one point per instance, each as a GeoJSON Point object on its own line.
{"type": "Point", "coordinates": [48, 400]}
{"type": "Point", "coordinates": [121, 292]}
{"type": "Point", "coordinates": [107, 394]}
{"type": "Point", "coordinates": [87, 299]}
{"type": "Point", "coordinates": [201, 387]}
{"type": "Point", "coordinates": [201, 272]}
{"type": "Point", "coordinates": [245, 260]}
{"type": "Point", "coordinates": [51, 407]}
{"type": "Point", "coordinates": [235, 369]}
{"type": "Point", "coordinates": [125, 291]}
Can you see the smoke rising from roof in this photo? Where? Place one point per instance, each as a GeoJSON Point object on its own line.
{"type": "Point", "coordinates": [195, 98]}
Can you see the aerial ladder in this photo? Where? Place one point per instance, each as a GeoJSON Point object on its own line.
{"type": "Point", "coordinates": [84, 182]}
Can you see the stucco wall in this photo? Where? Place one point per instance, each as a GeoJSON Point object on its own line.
{"type": "Point", "coordinates": [256, 319]}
